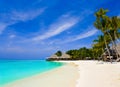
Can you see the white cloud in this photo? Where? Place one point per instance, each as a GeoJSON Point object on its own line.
{"type": "Point", "coordinates": [2, 27]}
{"type": "Point", "coordinates": [25, 16]}
{"type": "Point", "coordinates": [12, 36]}
{"type": "Point", "coordinates": [85, 35]}
{"type": "Point", "coordinates": [90, 32]}
{"type": "Point", "coordinates": [64, 23]}
{"type": "Point", "coordinates": [16, 16]}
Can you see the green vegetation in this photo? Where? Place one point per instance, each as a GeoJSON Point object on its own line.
{"type": "Point", "coordinates": [58, 53]}
{"type": "Point", "coordinates": [81, 53]}
{"type": "Point", "coordinates": [109, 26]}
{"type": "Point", "coordinates": [110, 29]}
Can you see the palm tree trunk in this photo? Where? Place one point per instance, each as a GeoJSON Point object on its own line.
{"type": "Point", "coordinates": [116, 37]}
{"type": "Point", "coordinates": [107, 48]}
{"type": "Point", "coordinates": [102, 50]}
{"type": "Point", "coordinates": [102, 53]}
{"type": "Point", "coordinates": [114, 44]}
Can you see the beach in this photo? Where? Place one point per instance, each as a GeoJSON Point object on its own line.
{"type": "Point", "coordinates": [99, 74]}
{"type": "Point", "coordinates": [75, 74]}
{"type": "Point", "coordinates": [64, 76]}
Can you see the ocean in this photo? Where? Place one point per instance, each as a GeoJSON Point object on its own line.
{"type": "Point", "coordinates": [11, 70]}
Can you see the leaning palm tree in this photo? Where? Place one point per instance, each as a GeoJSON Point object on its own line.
{"type": "Point", "coordinates": [100, 42]}
{"type": "Point", "coordinates": [115, 26]}
{"type": "Point", "coordinates": [101, 24]}
{"type": "Point", "coordinates": [113, 40]}
{"type": "Point", "coordinates": [112, 31]}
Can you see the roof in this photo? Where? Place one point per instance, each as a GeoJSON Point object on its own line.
{"type": "Point", "coordinates": [64, 55]}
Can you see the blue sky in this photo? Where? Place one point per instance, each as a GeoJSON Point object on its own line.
{"type": "Point", "coordinates": [35, 29]}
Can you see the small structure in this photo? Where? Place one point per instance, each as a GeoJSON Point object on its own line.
{"type": "Point", "coordinates": [88, 58]}
{"type": "Point", "coordinates": [63, 57]}
{"type": "Point", "coordinates": [54, 56]}
{"type": "Point", "coordinates": [107, 57]}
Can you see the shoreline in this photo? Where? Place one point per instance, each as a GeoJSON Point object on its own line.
{"type": "Point", "coordinates": [41, 73]}
{"type": "Point", "coordinates": [76, 74]}
{"type": "Point", "coordinates": [59, 77]}
{"type": "Point", "coordinates": [24, 69]}
{"type": "Point", "coordinates": [97, 74]}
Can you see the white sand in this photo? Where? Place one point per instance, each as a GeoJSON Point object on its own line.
{"type": "Point", "coordinates": [91, 74]}
{"type": "Point", "coordinates": [98, 74]}
{"type": "Point", "coordinates": [65, 76]}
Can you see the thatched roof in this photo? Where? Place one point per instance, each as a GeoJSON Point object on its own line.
{"type": "Point", "coordinates": [64, 55]}
{"type": "Point", "coordinates": [53, 56]}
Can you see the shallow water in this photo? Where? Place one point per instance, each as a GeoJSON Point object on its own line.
{"type": "Point", "coordinates": [18, 69]}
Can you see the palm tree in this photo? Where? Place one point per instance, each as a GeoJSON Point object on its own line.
{"type": "Point", "coordinates": [99, 45]}
{"type": "Point", "coordinates": [100, 42]}
{"type": "Point", "coordinates": [101, 23]}
{"type": "Point", "coordinates": [115, 26]}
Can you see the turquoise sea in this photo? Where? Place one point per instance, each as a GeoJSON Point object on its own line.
{"type": "Point", "coordinates": [18, 69]}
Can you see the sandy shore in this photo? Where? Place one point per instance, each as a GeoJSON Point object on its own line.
{"type": "Point", "coordinates": [98, 74]}
{"type": "Point", "coordinates": [65, 76]}
{"type": "Point", "coordinates": [87, 74]}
